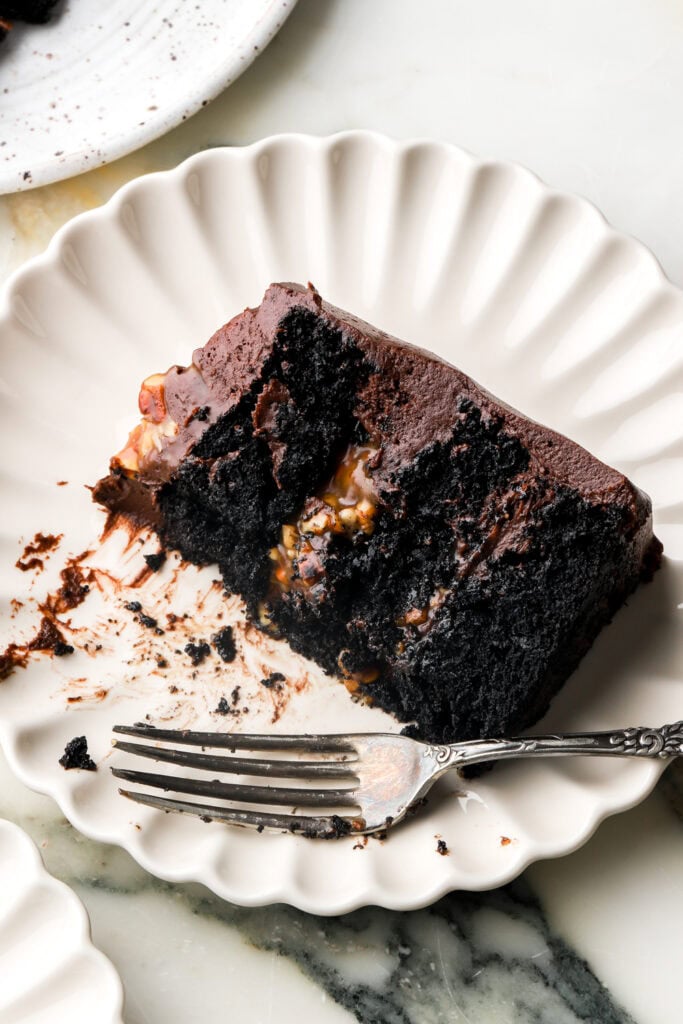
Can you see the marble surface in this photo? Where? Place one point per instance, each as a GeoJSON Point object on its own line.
{"type": "Point", "coordinates": [594, 937]}
{"type": "Point", "coordinates": [584, 94]}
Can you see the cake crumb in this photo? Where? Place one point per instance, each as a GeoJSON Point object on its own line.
{"type": "Point", "coordinates": [224, 642]}
{"type": "Point", "coordinates": [441, 847]}
{"type": "Point", "coordinates": [148, 620]}
{"type": "Point", "coordinates": [274, 681]}
{"type": "Point", "coordinates": [505, 840]}
{"type": "Point", "coordinates": [197, 652]}
{"type": "Point", "coordinates": [76, 755]}
{"type": "Point", "coordinates": [60, 649]}
{"type": "Point", "coordinates": [155, 560]}
{"type": "Point", "coordinates": [225, 708]}
{"type": "Point", "coordinates": [338, 827]}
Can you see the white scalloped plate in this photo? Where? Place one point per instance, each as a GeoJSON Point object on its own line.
{"type": "Point", "coordinates": [49, 968]}
{"type": "Point", "coordinates": [526, 289]}
{"type": "Point", "coordinates": [102, 79]}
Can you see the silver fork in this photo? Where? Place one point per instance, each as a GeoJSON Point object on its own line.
{"type": "Point", "coordinates": [357, 783]}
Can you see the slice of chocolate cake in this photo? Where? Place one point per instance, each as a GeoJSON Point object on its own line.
{"type": "Point", "coordinates": [391, 520]}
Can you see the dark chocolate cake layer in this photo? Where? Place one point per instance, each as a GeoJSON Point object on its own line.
{"type": "Point", "coordinates": [447, 557]}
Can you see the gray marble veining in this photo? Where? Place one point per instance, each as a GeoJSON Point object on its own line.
{"type": "Point", "coordinates": [471, 958]}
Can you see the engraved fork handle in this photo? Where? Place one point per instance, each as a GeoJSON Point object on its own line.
{"type": "Point", "coordinates": [665, 741]}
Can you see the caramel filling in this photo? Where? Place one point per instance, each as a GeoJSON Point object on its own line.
{"type": "Point", "coordinates": [345, 506]}
{"type": "Point", "coordinates": [353, 680]}
{"type": "Point", "coordinates": [422, 619]}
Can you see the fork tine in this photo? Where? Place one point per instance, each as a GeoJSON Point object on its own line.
{"type": "Point", "coordinates": [273, 795]}
{"type": "Point", "coordinates": [242, 741]}
{"type": "Point", "coordinates": [323, 827]}
{"type": "Point", "coordinates": [242, 766]}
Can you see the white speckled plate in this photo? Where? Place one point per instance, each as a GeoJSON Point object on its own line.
{"type": "Point", "coordinates": [102, 79]}
{"type": "Point", "coordinates": [526, 289]}
{"type": "Point", "coordinates": [49, 969]}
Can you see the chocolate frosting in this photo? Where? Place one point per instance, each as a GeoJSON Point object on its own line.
{"type": "Point", "coordinates": [408, 402]}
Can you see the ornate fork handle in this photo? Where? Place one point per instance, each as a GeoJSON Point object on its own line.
{"type": "Point", "coordinates": [665, 741]}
